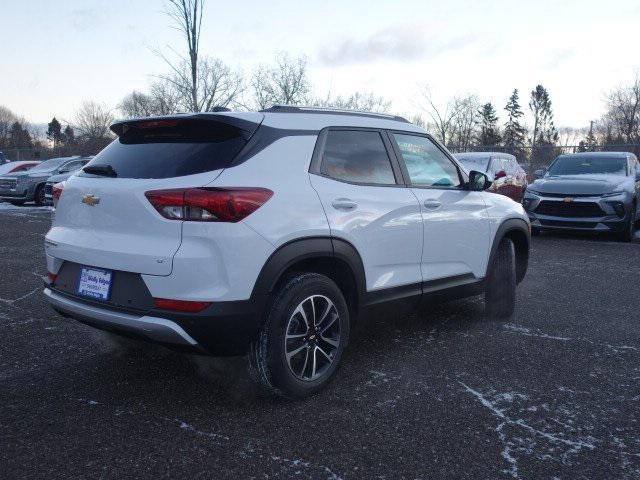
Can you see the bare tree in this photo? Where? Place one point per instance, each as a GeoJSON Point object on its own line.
{"type": "Point", "coordinates": [162, 99]}
{"type": "Point", "coordinates": [92, 120]}
{"type": "Point", "coordinates": [284, 83]}
{"type": "Point", "coordinates": [442, 116]}
{"type": "Point", "coordinates": [187, 15]}
{"type": "Point", "coordinates": [217, 85]}
{"type": "Point", "coordinates": [362, 101]}
{"type": "Point", "coordinates": [202, 83]}
{"type": "Point", "coordinates": [7, 119]}
{"type": "Point", "coordinates": [623, 112]}
{"type": "Point", "coordinates": [465, 122]}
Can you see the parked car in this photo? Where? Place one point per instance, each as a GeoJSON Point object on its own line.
{"type": "Point", "coordinates": [593, 191]}
{"type": "Point", "coordinates": [61, 177]}
{"type": "Point", "coordinates": [509, 178]}
{"type": "Point", "coordinates": [28, 186]}
{"type": "Point", "coordinates": [15, 167]}
{"type": "Point", "coordinates": [270, 232]}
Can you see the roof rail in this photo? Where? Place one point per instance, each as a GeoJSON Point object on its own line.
{"type": "Point", "coordinates": [332, 111]}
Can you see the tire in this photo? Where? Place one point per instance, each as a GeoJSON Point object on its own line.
{"type": "Point", "coordinates": [535, 231]}
{"type": "Point", "coordinates": [38, 197]}
{"type": "Point", "coordinates": [629, 227]}
{"type": "Point", "coordinates": [17, 203]}
{"type": "Point", "coordinates": [281, 358]}
{"type": "Point", "coordinates": [500, 292]}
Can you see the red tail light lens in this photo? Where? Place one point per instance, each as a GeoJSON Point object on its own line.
{"type": "Point", "coordinates": [52, 277]}
{"type": "Point", "coordinates": [208, 204]}
{"type": "Point", "coordinates": [180, 305]}
{"type": "Point", "coordinates": [56, 192]}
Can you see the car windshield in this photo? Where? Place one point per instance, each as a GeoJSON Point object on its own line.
{"type": "Point", "coordinates": [588, 166]}
{"type": "Point", "coordinates": [49, 165]}
{"type": "Point", "coordinates": [478, 163]}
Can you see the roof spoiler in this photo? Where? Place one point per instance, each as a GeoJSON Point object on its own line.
{"type": "Point", "coordinates": [246, 127]}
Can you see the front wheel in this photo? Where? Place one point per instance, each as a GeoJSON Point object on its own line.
{"type": "Point", "coordinates": [630, 227]}
{"type": "Point", "coordinates": [500, 292]}
{"type": "Point", "coordinates": [303, 337]}
{"type": "Point", "coordinates": [39, 197]}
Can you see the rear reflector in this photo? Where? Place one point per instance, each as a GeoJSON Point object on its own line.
{"type": "Point", "coordinates": [180, 305]}
{"type": "Point", "coordinates": [52, 277]}
{"type": "Point", "coordinates": [208, 204]}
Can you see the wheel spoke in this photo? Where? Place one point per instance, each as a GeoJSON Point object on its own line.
{"type": "Point", "coordinates": [330, 322]}
{"type": "Point", "coordinates": [304, 366]}
{"type": "Point", "coordinates": [313, 369]}
{"type": "Point", "coordinates": [326, 312]}
{"type": "Point", "coordinates": [297, 335]}
{"type": "Point", "coordinates": [295, 352]}
{"type": "Point", "coordinates": [330, 341]}
{"type": "Point", "coordinates": [325, 354]}
{"type": "Point", "coordinates": [301, 311]}
{"type": "Point", "coordinates": [313, 311]}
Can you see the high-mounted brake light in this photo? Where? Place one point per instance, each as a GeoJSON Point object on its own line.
{"type": "Point", "coordinates": [208, 204]}
{"type": "Point", "coordinates": [56, 192]}
{"type": "Point", "coordinates": [156, 124]}
{"type": "Point", "coordinates": [180, 305]}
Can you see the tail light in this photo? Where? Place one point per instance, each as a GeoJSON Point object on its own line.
{"type": "Point", "coordinates": [180, 305]}
{"type": "Point", "coordinates": [52, 277]}
{"type": "Point", "coordinates": [56, 192]}
{"type": "Point", "coordinates": [208, 204]}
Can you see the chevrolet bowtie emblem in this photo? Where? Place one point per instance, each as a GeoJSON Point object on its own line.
{"type": "Point", "coordinates": [90, 200]}
{"type": "Point", "coordinates": [568, 200]}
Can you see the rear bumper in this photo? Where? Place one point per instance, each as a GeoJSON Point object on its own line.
{"type": "Point", "coordinates": [226, 328]}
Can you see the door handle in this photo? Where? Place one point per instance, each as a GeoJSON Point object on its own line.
{"type": "Point", "coordinates": [344, 204]}
{"type": "Point", "coordinates": [432, 204]}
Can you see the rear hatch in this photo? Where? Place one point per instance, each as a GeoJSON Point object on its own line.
{"type": "Point", "coordinates": [103, 218]}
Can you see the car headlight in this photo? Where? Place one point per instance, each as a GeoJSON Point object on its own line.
{"type": "Point", "coordinates": [612, 194]}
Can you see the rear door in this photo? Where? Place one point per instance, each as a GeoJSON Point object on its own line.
{"type": "Point", "coordinates": [360, 187]}
{"type": "Point", "coordinates": [456, 227]}
{"type": "Point", "coordinates": [105, 220]}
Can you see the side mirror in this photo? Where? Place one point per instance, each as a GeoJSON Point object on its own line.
{"type": "Point", "coordinates": [478, 181]}
{"type": "Point", "coordinates": [500, 174]}
{"type": "Point", "coordinates": [540, 173]}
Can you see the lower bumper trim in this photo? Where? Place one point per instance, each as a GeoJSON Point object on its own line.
{"type": "Point", "coordinates": [153, 328]}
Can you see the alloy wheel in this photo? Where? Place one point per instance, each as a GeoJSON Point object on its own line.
{"type": "Point", "coordinates": [312, 338]}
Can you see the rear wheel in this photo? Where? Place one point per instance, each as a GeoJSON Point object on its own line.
{"type": "Point", "coordinates": [302, 340]}
{"type": "Point", "coordinates": [39, 197]}
{"type": "Point", "coordinates": [500, 293]}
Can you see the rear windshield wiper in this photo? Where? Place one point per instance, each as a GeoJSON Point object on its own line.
{"type": "Point", "coordinates": [103, 170]}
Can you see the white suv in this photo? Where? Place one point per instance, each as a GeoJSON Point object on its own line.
{"type": "Point", "coordinates": [272, 232]}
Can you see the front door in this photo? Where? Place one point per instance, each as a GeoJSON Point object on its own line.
{"type": "Point", "coordinates": [456, 228]}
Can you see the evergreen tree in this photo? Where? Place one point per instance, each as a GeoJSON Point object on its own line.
{"type": "Point", "coordinates": [19, 137]}
{"type": "Point", "coordinates": [489, 134]}
{"type": "Point", "coordinates": [545, 134]}
{"type": "Point", "coordinates": [69, 136]}
{"type": "Point", "coordinates": [54, 132]}
{"type": "Point", "coordinates": [514, 137]}
{"type": "Point", "coordinates": [591, 140]}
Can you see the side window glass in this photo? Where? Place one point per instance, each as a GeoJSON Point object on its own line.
{"type": "Point", "coordinates": [357, 156]}
{"type": "Point", "coordinates": [427, 165]}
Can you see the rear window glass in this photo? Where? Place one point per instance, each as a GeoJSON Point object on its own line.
{"type": "Point", "coordinates": [172, 149]}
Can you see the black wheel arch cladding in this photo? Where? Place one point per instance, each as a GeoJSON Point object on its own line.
{"type": "Point", "coordinates": [517, 230]}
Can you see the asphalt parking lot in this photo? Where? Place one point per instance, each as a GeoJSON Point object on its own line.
{"type": "Point", "coordinates": [444, 393]}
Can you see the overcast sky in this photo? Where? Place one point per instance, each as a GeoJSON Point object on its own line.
{"type": "Point", "coordinates": [53, 55]}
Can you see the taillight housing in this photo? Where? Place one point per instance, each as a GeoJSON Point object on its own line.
{"type": "Point", "coordinates": [56, 192]}
{"type": "Point", "coordinates": [206, 204]}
